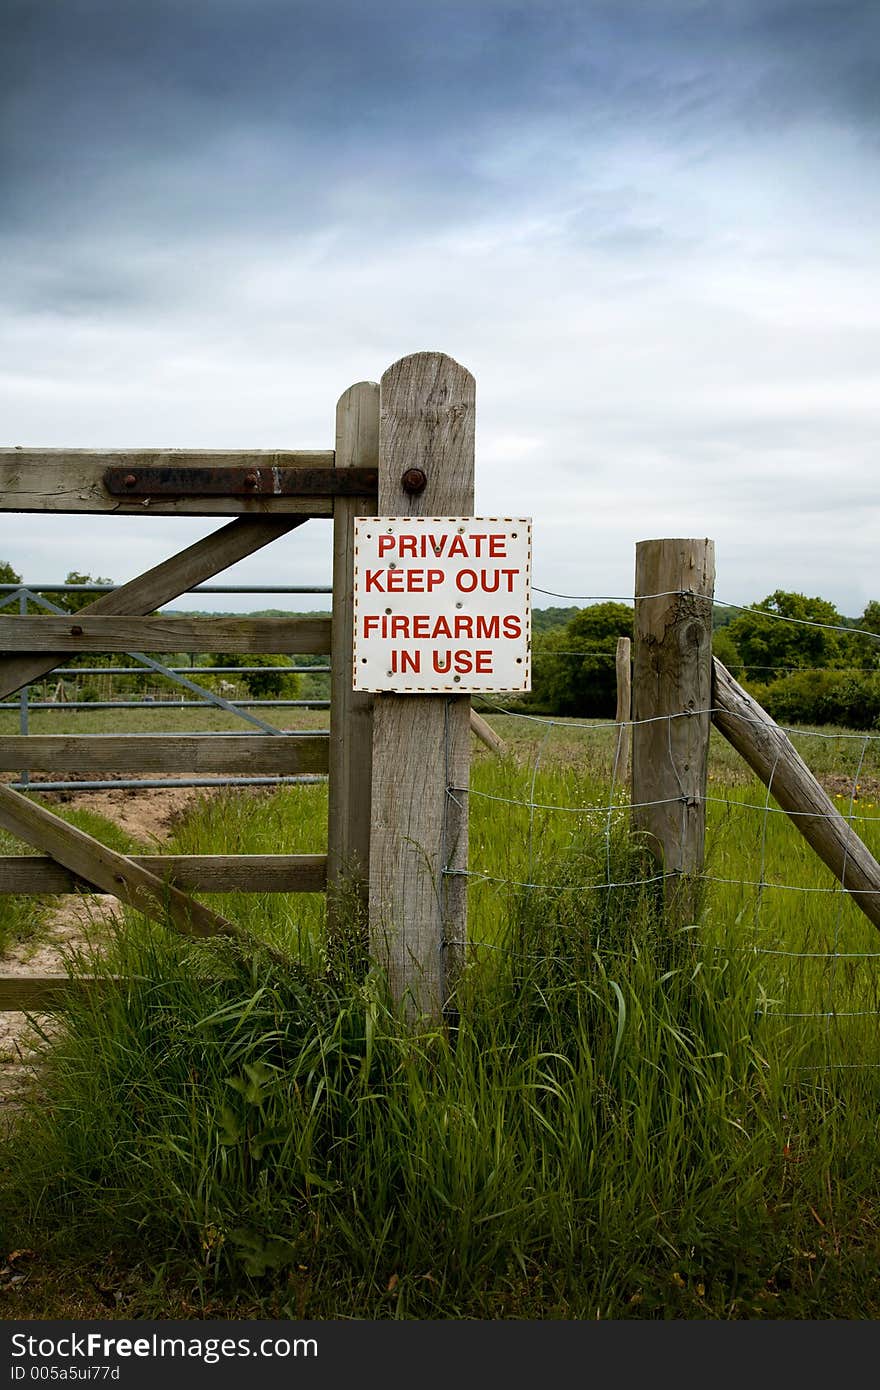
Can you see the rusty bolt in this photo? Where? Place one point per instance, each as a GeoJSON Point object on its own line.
{"type": "Point", "coordinates": [251, 479]}
{"type": "Point", "coordinates": [414, 480]}
{"type": "Point", "coordinates": [76, 631]}
{"type": "Point", "coordinates": [129, 480]}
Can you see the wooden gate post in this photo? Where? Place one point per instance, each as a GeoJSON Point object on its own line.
{"type": "Point", "coordinates": [351, 711]}
{"type": "Point", "coordinates": [421, 743]}
{"type": "Point", "coordinates": [672, 689]}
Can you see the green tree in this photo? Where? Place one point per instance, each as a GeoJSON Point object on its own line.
{"type": "Point", "coordinates": [266, 684]}
{"type": "Point", "coordinates": [768, 644]}
{"type": "Point", "coordinates": [573, 670]}
{"type": "Point", "coordinates": [7, 573]}
{"type": "Point", "coordinates": [725, 648]}
{"type": "Point", "coordinates": [547, 619]}
{"type": "Point", "coordinates": [72, 603]}
{"type": "Point", "coordinates": [867, 649]}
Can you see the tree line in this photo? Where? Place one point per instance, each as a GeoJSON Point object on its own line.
{"type": "Point", "coordinates": [267, 683]}
{"type": "Point", "coordinates": [802, 659]}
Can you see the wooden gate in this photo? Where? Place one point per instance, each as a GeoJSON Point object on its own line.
{"type": "Point", "coordinates": [397, 838]}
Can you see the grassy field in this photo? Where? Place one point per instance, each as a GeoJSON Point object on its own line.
{"type": "Point", "coordinates": [625, 1121]}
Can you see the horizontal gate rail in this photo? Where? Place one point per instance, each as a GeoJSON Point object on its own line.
{"type": "Point", "coordinates": [186, 670]}
{"type": "Point", "coordinates": [207, 873]}
{"type": "Point", "coordinates": [80, 632]}
{"type": "Point", "coordinates": [247, 753]}
{"type": "Point", "coordinates": [170, 703]}
{"type": "Point", "coordinates": [45, 993]}
{"type": "Point", "coordinates": [74, 481]}
{"type": "Point", "coordinates": [167, 783]}
{"type": "Point", "coordinates": [108, 588]}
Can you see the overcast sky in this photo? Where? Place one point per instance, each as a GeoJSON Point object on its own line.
{"type": "Point", "coordinates": [650, 230]}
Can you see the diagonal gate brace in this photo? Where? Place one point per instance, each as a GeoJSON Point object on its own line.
{"type": "Point", "coordinates": [115, 873]}
{"type": "Point", "coordinates": [155, 587]}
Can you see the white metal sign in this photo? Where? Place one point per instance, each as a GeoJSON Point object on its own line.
{"type": "Point", "coordinates": [442, 603]}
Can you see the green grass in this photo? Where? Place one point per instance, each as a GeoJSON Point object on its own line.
{"type": "Point", "coordinates": [624, 1122]}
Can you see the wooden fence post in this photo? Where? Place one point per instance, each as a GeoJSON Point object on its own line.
{"type": "Point", "coordinates": [351, 711]}
{"type": "Point", "coordinates": [623, 746]}
{"type": "Point", "coordinates": [421, 743]}
{"type": "Point", "coordinates": [672, 690]}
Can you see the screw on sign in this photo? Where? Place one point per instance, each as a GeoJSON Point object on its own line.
{"type": "Point", "coordinates": [442, 603]}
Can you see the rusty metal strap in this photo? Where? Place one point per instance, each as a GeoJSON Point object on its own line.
{"type": "Point", "coordinates": [241, 482]}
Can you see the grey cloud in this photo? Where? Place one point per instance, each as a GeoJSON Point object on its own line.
{"type": "Point", "coordinates": [95, 90]}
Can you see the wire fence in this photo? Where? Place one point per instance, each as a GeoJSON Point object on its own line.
{"type": "Point", "coordinates": [765, 896]}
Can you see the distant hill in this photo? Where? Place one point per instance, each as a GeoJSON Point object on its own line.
{"type": "Point", "coordinates": [257, 613]}
{"type": "Point", "coordinates": [543, 619]}
{"type": "Point", "coordinates": [547, 619]}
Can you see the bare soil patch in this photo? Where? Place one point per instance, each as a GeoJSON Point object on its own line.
{"type": "Point", "coordinates": [76, 920]}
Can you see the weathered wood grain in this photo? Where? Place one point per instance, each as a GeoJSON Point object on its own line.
{"type": "Point", "coordinates": [623, 715]}
{"type": "Point", "coordinates": [672, 690]}
{"type": "Point", "coordinates": [115, 873]}
{"type": "Point", "coordinates": [351, 711]}
{"type": "Point", "coordinates": [81, 632]}
{"type": "Point", "coordinates": [486, 734]}
{"type": "Point", "coordinates": [72, 480]}
{"type": "Point", "coordinates": [48, 993]}
{"type": "Point", "coordinates": [93, 753]}
{"type": "Point", "coordinates": [169, 579]}
{"type": "Point", "coordinates": [205, 873]}
{"type": "Point", "coordinates": [421, 743]}
{"type": "Point", "coordinates": [773, 757]}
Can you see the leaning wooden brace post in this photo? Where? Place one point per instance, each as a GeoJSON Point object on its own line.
{"type": "Point", "coordinates": [351, 711]}
{"type": "Point", "coordinates": [486, 734]}
{"type": "Point", "coordinates": [771, 754]}
{"type": "Point", "coordinates": [672, 697]}
{"type": "Point", "coordinates": [421, 743]}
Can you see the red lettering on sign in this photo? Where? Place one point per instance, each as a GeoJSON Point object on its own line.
{"type": "Point", "coordinates": [409, 661]}
{"type": "Point", "coordinates": [490, 581]}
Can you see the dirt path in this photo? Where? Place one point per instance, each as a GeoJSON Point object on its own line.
{"type": "Point", "coordinates": [76, 920]}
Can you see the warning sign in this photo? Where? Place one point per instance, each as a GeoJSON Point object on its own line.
{"type": "Point", "coordinates": [442, 603]}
